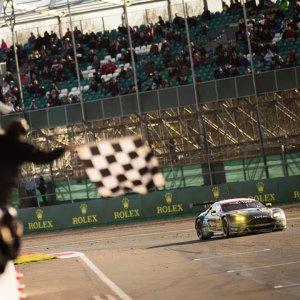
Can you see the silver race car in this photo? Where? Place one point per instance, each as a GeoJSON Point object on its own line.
{"type": "Point", "coordinates": [238, 216]}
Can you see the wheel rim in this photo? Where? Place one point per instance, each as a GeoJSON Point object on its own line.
{"type": "Point", "coordinates": [225, 227]}
{"type": "Point", "coordinates": [199, 230]}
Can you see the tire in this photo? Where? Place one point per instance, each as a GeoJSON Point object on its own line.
{"type": "Point", "coordinates": [226, 228]}
{"type": "Point", "coordinates": [199, 231]}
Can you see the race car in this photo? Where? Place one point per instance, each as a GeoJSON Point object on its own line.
{"type": "Point", "coordinates": [238, 216]}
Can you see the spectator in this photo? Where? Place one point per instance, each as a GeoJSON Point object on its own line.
{"type": "Point", "coordinates": [93, 86]}
{"type": "Point", "coordinates": [291, 58]}
{"type": "Point", "coordinates": [68, 34]}
{"type": "Point", "coordinates": [96, 63]}
{"type": "Point", "coordinates": [53, 100]}
{"type": "Point", "coordinates": [4, 46]}
{"type": "Point", "coordinates": [192, 22]}
{"type": "Point", "coordinates": [8, 102]}
{"type": "Point", "coordinates": [33, 105]}
{"type": "Point", "coordinates": [161, 22]}
{"type": "Point", "coordinates": [178, 21]}
{"type": "Point", "coordinates": [38, 43]}
{"type": "Point", "coordinates": [77, 33]}
{"type": "Point", "coordinates": [123, 43]}
{"type": "Point", "coordinates": [250, 5]}
{"type": "Point", "coordinates": [165, 84]}
{"type": "Point", "coordinates": [67, 45]}
{"type": "Point", "coordinates": [172, 150]}
{"type": "Point", "coordinates": [31, 40]}
{"type": "Point", "coordinates": [122, 29]}
{"type": "Point", "coordinates": [54, 88]}
{"type": "Point", "coordinates": [225, 7]}
{"type": "Point", "coordinates": [289, 33]}
{"type": "Point", "coordinates": [277, 61]}
{"type": "Point", "coordinates": [203, 30]}
{"type": "Point", "coordinates": [107, 68]}
{"type": "Point", "coordinates": [43, 189]}
{"type": "Point", "coordinates": [268, 57]}
{"type": "Point", "coordinates": [154, 86]}
{"type": "Point", "coordinates": [2, 98]}
{"type": "Point", "coordinates": [115, 48]}
{"type": "Point", "coordinates": [157, 80]}
{"type": "Point", "coordinates": [154, 50]}
{"type": "Point", "coordinates": [5, 89]}
{"type": "Point", "coordinates": [90, 56]}
{"type": "Point", "coordinates": [79, 53]}
{"type": "Point", "coordinates": [206, 15]}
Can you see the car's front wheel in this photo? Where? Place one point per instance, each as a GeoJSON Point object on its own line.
{"type": "Point", "coordinates": [226, 228]}
{"type": "Point", "coordinates": [199, 230]}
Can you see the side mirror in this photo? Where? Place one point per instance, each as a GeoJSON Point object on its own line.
{"type": "Point", "coordinates": [213, 211]}
{"type": "Point", "coordinates": [268, 204]}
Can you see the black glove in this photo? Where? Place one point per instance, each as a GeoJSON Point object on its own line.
{"type": "Point", "coordinates": [11, 231]}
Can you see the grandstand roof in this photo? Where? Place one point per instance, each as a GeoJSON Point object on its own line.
{"type": "Point", "coordinates": [34, 10]}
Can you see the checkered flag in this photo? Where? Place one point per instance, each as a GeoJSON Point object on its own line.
{"type": "Point", "coordinates": [120, 164]}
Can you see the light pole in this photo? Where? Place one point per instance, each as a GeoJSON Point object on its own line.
{"type": "Point", "coordinates": [86, 137]}
{"type": "Point", "coordinates": [260, 133]}
{"type": "Point", "coordinates": [10, 21]}
{"type": "Point", "coordinates": [132, 56]}
{"type": "Point", "coordinates": [76, 63]}
{"type": "Point", "coordinates": [200, 119]}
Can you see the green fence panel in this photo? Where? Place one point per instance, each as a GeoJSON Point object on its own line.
{"type": "Point", "coordinates": [157, 204]}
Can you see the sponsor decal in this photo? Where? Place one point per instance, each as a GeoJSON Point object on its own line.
{"type": "Point", "coordinates": [216, 192]}
{"type": "Point", "coordinates": [40, 223]}
{"type": "Point", "coordinates": [261, 197]}
{"type": "Point", "coordinates": [260, 187]}
{"type": "Point", "coordinates": [84, 218]}
{"type": "Point", "coordinates": [260, 217]}
{"type": "Point", "coordinates": [169, 208]}
{"type": "Point", "coordinates": [126, 213]}
{"type": "Point", "coordinates": [296, 194]}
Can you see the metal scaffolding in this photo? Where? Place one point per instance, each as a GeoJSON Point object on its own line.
{"type": "Point", "coordinates": [231, 132]}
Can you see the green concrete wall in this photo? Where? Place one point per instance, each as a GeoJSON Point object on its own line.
{"type": "Point", "coordinates": [157, 204]}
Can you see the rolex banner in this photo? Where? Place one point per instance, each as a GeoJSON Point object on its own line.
{"type": "Point", "coordinates": [156, 204]}
{"type": "Point", "coordinates": [118, 165]}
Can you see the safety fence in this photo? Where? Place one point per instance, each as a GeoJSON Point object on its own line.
{"type": "Point", "coordinates": [157, 204]}
{"type": "Point", "coordinates": [81, 189]}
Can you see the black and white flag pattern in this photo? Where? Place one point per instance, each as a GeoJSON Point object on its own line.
{"type": "Point", "coordinates": [121, 164]}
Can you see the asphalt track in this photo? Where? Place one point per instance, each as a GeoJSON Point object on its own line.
{"type": "Point", "coordinates": [164, 260]}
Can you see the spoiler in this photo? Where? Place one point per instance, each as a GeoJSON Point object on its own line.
{"type": "Point", "coordinates": [191, 205]}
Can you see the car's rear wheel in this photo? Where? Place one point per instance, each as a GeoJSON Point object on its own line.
{"type": "Point", "coordinates": [199, 230]}
{"type": "Point", "coordinates": [226, 228]}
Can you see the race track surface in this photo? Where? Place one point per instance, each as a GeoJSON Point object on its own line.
{"type": "Point", "coordinates": [164, 260]}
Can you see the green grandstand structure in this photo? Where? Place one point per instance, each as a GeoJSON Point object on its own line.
{"type": "Point", "coordinates": [205, 132]}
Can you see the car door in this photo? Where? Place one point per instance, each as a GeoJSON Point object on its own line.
{"type": "Point", "coordinates": [214, 218]}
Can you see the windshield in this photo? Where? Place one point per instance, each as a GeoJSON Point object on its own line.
{"type": "Point", "coordinates": [241, 205]}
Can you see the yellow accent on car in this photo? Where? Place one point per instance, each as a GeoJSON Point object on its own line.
{"type": "Point", "coordinates": [277, 214]}
{"type": "Point", "coordinates": [240, 218]}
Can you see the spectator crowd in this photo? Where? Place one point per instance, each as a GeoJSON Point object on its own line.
{"type": "Point", "coordinates": [160, 53]}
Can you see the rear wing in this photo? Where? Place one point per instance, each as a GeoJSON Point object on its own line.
{"type": "Point", "coordinates": [191, 205]}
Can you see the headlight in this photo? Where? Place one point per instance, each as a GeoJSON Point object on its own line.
{"type": "Point", "coordinates": [239, 218]}
{"type": "Point", "coordinates": [277, 215]}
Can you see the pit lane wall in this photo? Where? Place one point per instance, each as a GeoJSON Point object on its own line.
{"type": "Point", "coordinates": [157, 204]}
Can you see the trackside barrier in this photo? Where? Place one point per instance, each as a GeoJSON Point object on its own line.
{"type": "Point", "coordinates": [157, 204]}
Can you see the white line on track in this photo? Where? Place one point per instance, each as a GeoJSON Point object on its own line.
{"type": "Point", "coordinates": [232, 254]}
{"type": "Point", "coordinates": [99, 273]}
{"type": "Point", "coordinates": [286, 286]}
{"type": "Point", "coordinates": [264, 267]}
